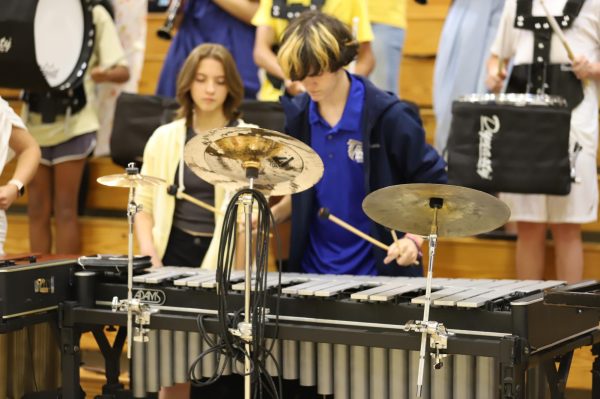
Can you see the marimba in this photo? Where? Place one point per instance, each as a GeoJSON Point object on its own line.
{"type": "Point", "coordinates": [345, 334]}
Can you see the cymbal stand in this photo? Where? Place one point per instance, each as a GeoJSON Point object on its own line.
{"type": "Point", "coordinates": [132, 305]}
{"type": "Point", "coordinates": [244, 328]}
{"type": "Point", "coordinates": [436, 331]}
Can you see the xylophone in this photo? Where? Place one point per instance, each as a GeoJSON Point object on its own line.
{"type": "Point", "coordinates": [345, 334]}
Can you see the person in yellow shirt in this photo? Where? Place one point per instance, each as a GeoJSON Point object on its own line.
{"type": "Point", "coordinates": [273, 16]}
{"type": "Point", "coordinates": [388, 22]}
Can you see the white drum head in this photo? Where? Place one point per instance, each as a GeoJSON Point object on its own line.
{"type": "Point", "coordinates": [58, 35]}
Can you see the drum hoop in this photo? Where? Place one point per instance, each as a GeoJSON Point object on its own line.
{"type": "Point", "coordinates": [515, 99]}
{"type": "Point", "coordinates": [87, 47]}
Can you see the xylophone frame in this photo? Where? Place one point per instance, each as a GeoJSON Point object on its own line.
{"type": "Point", "coordinates": [511, 353]}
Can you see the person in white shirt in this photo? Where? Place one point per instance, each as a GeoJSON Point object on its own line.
{"type": "Point", "coordinates": [14, 136]}
{"type": "Point", "coordinates": [541, 64]}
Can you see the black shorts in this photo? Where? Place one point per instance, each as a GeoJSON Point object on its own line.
{"type": "Point", "coordinates": [78, 147]}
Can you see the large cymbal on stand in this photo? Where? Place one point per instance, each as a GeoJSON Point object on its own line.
{"type": "Point", "coordinates": [463, 211]}
{"type": "Point", "coordinates": [129, 180]}
{"type": "Point", "coordinates": [224, 156]}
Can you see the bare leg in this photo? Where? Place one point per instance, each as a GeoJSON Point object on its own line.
{"type": "Point", "coordinates": [177, 391]}
{"type": "Point", "coordinates": [39, 209]}
{"type": "Point", "coordinates": [531, 250]}
{"type": "Point", "coordinates": [569, 251]}
{"type": "Point", "coordinates": [67, 180]}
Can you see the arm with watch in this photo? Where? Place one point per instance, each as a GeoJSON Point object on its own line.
{"type": "Point", "coordinates": [28, 156]}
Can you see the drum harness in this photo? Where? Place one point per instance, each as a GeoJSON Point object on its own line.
{"type": "Point", "coordinates": [540, 72]}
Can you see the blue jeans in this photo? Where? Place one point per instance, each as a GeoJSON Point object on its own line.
{"type": "Point", "coordinates": [387, 49]}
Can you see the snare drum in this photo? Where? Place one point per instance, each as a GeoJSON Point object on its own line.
{"type": "Point", "coordinates": [45, 44]}
{"type": "Point", "coordinates": [515, 143]}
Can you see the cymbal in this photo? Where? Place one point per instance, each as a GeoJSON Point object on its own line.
{"type": "Point", "coordinates": [129, 180]}
{"type": "Point", "coordinates": [222, 156]}
{"type": "Point", "coordinates": [464, 211]}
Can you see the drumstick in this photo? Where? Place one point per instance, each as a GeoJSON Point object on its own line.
{"type": "Point", "coordinates": [504, 40]}
{"type": "Point", "coordinates": [324, 213]}
{"type": "Point", "coordinates": [561, 36]}
{"type": "Point", "coordinates": [172, 190]}
{"type": "Point", "coordinates": [500, 66]}
{"type": "Point", "coordinates": [559, 33]}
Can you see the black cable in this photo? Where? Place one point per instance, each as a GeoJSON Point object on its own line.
{"type": "Point", "coordinates": [225, 345]}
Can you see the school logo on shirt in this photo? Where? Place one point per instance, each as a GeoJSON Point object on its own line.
{"type": "Point", "coordinates": [355, 150]}
{"type": "Point", "coordinates": [5, 44]}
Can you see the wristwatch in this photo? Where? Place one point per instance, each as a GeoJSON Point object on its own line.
{"type": "Point", "coordinates": [20, 186]}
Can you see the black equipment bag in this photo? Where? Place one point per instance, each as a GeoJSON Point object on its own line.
{"type": "Point", "coordinates": [136, 118]}
{"type": "Point", "coordinates": [510, 147]}
{"type": "Point", "coordinates": [265, 114]}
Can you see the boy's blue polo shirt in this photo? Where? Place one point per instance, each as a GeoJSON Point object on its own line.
{"type": "Point", "coordinates": [332, 249]}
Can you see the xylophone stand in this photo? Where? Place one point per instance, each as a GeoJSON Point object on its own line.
{"type": "Point", "coordinates": [432, 329]}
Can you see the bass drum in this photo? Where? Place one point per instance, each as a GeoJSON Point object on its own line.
{"type": "Point", "coordinates": [45, 44]}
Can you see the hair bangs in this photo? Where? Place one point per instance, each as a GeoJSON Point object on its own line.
{"type": "Point", "coordinates": [314, 43]}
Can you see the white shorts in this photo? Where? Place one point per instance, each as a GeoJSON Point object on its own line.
{"type": "Point", "coordinates": [579, 206]}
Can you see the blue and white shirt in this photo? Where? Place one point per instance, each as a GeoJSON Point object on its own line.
{"type": "Point", "coordinates": [332, 249]}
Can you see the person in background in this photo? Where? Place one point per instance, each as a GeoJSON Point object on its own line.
{"type": "Point", "coordinates": [226, 22]}
{"type": "Point", "coordinates": [175, 232]}
{"type": "Point", "coordinates": [388, 21]}
{"type": "Point", "coordinates": [66, 139]}
{"type": "Point", "coordinates": [273, 16]}
{"type": "Point", "coordinates": [368, 139]}
{"type": "Point", "coordinates": [14, 137]}
{"type": "Point", "coordinates": [552, 72]}
{"type": "Point", "coordinates": [463, 49]}
{"type": "Point", "coordinates": [130, 20]}
{"type": "Point", "coordinates": [16, 374]}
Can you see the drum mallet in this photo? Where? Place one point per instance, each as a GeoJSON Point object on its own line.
{"type": "Point", "coordinates": [173, 190]}
{"type": "Point", "coordinates": [324, 213]}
